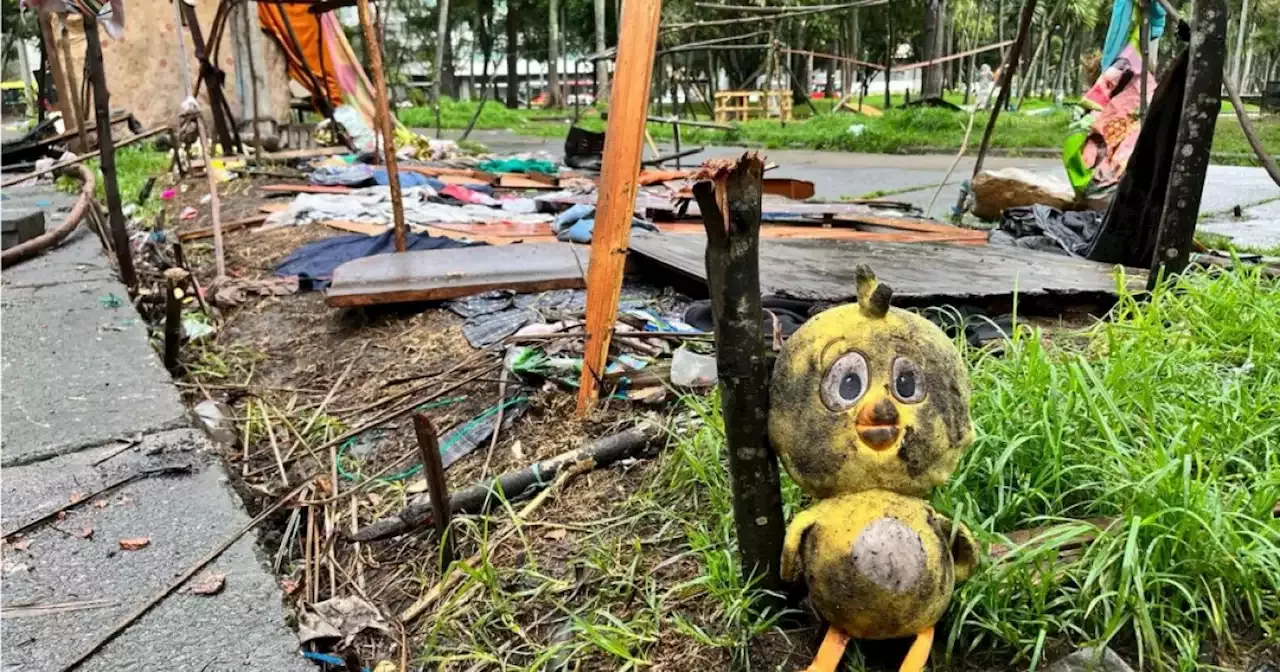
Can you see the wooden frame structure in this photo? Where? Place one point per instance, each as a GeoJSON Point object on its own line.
{"type": "Point", "coordinates": [744, 105]}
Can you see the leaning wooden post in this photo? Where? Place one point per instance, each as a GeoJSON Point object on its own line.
{"type": "Point", "coordinates": [729, 198]}
{"type": "Point", "coordinates": [1200, 108]}
{"type": "Point", "coordinates": [383, 121]}
{"type": "Point", "coordinates": [1006, 80]}
{"type": "Point", "coordinates": [437, 487]}
{"type": "Point", "coordinates": [102, 108]}
{"type": "Point", "coordinates": [623, 143]}
{"type": "Point", "coordinates": [175, 279]}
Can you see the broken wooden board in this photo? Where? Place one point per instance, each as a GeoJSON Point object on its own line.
{"type": "Point", "coordinates": [288, 155]}
{"type": "Point", "coordinates": [816, 231]}
{"type": "Point", "coordinates": [430, 275]}
{"type": "Point", "coordinates": [304, 189]}
{"type": "Point", "coordinates": [227, 227]}
{"type": "Point", "coordinates": [823, 270]}
{"type": "Point", "coordinates": [791, 188]}
{"type": "Point", "coordinates": [527, 181]}
{"type": "Point", "coordinates": [866, 109]}
{"type": "Point", "coordinates": [437, 171]}
{"type": "Point", "coordinates": [493, 234]}
{"type": "Point", "coordinates": [463, 180]}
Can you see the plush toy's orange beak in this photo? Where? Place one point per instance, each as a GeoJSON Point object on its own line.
{"type": "Point", "coordinates": [878, 424]}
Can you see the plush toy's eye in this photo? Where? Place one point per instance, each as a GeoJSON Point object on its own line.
{"type": "Point", "coordinates": [908, 381]}
{"type": "Point", "coordinates": [845, 382]}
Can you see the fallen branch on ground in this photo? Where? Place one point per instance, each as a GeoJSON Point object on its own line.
{"type": "Point", "coordinates": [513, 485]}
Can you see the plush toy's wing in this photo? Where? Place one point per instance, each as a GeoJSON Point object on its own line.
{"type": "Point", "coordinates": [965, 553]}
{"type": "Point", "coordinates": [792, 564]}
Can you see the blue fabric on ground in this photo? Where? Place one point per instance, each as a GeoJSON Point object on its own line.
{"type": "Point", "coordinates": [315, 262]}
{"type": "Point", "coordinates": [407, 179]}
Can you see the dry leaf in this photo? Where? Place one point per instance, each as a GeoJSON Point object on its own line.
{"type": "Point", "coordinates": [101, 503]}
{"type": "Point", "coordinates": [518, 450]}
{"type": "Point", "coordinates": [134, 543]}
{"type": "Point", "coordinates": [416, 487]}
{"type": "Point", "coordinates": [556, 534]}
{"type": "Point", "coordinates": [86, 533]}
{"type": "Point", "coordinates": [76, 496]}
{"type": "Point", "coordinates": [62, 515]}
{"type": "Point", "coordinates": [22, 545]}
{"type": "Point", "coordinates": [289, 586]}
{"type": "Point", "coordinates": [209, 584]}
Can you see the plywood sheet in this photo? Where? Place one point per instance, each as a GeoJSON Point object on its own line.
{"type": "Point", "coordinates": [823, 270]}
{"type": "Point", "coordinates": [429, 275]}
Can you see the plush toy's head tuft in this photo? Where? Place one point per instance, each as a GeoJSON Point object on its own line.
{"type": "Point", "coordinates": [867, 396]}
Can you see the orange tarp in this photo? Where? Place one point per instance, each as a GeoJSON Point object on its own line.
{"type": "Point", "coordinates": [302, 67]}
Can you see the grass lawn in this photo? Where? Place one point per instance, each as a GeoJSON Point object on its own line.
{"type": "Point", "coordinates": [1162, 418]}
{"type": "Point", "coordinates": [899, 131]}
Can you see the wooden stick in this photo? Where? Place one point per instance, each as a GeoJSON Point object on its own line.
{"type": "Point", "coordinates": [1006, 80]}
{"type": "Point", "coordinates": [334, 389]}
{"type": "Point", "coordinates": [730, 205]}
{"type": "Point", "coordinates": [176, 279]}
{"type": "Point", "coordinates": [275, 447]}
{"type": "Point", "coordinates": [623, 139]}
{"type": "Point", "coordinates": [1200, 109]}
{"type": "Point", "coordinates": [146, 473]}
{"type": "Point", "coordinates": [497, 426]}
{"type": "Point", "coordinates": [81, 158]}
{"type": "Point", "coordinates": [383, 121]}
{"type": "Point", "coordinates": [107, 153]}
{"type": "Point", "coordinates": [72, 87]}
{"type": "Point", "coordinates": [437, 487]}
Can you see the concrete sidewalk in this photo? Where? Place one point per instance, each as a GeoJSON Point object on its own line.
{"type": "Point", "coordinates": [78, 375]}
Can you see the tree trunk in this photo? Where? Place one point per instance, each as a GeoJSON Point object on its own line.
{"type": "Point", "coordinates": [601, 66]}
{"type": "Point", "coordinates": [855, 46]}
{"type": "Point", "coordinates": [730, 205]}
{"type": "Point", "coordinates": [1242, 27]}
{"type": "Point", "coordinates": [973, 73]}
{"type": "Point", "coordinates": [1029, 71]}
{"type": "Point", "coordinates": [442, 45]}
{"type": "Point", "coordinates": [1245, 79]}
{"type": "Point", "coordinates": [513, 57]}
{"type": "Point", "coordinates": [951, 69]}
{"type": "Point", "coordinates": [999, 20]}
{"type": "Point", "coordinates": [888, 60]}
{"type": "Point", "coordinates": [553, 56]}
{"type": "Point", "coordinates": [829, 91]}
{"type": "Point", "coordinates": [1059, 81]}
{"type": "Point", "coordinates": [931, 75]}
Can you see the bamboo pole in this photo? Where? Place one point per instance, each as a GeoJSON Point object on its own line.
{"type": "Point", "coordinates": [384, 121]}
{"type": "Point", "coordinates": [624, 138]}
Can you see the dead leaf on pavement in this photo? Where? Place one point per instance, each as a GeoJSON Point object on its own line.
{"type": "Point", "coordinates": [556, 534]}
{"type": "Point", "coordinates": [76, 496]}
{"type": "Point", "coordinates": [22, 545]}
{"type": "Point", "coordinates": [209, 584]}
{"type": "Point", "coordinates": [86, 533]}
{"type": "Point", "coordinates": [134, 543]}
{"type": "Point", "coordinates": [289, 586]}
{"type": "Point", "coordinates": [101, 503]}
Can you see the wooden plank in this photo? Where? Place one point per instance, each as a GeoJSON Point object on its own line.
{"type": "Point", "coordinates": [784, 231]}
{"type": "Point", "coordinates": [474, 233]}
{"type": "Point", "coordinates": [305, 189]}
{"type": "Point", "coordinates": [791, 188]}
{"type": "Point", "coordinates": [437, 171]}
{"type": "Point", "coordinates": [912, 224]}
{"type": "Point", "coordinates": [429, 275]}
{"type": "Point", "coordinates": [462, 180]}
{"type": "Point", "coordinates": [624, 138]}
{"type": "Point", "coordinates": [823, 269]}
{"type": "Point", "coordinates": [288, 155]}
{"type": "Point", "coordinates": [367, 228]}
{"type": "Point", "coordinates": [527, 181]}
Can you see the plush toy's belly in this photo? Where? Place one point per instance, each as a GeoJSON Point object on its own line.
{"type": "Point", "coordinates": [881, 571]}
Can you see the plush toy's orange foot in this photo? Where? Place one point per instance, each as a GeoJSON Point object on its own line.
{"type": "Point", "coordinates": [835, 642]}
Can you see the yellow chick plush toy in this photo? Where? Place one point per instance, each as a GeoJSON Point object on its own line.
{"type": "Point", "coordinates": [869, 411]}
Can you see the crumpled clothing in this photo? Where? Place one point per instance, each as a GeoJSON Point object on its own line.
{"type": "Point", "coordinates": [374, 205]}
{"type": "Point", "coordinates": [518, 165]}
{"type": "Point", "coordinates": [578, 222]}
{"type": "Point", "coordinates": [359, 175]}
{"type": "Point", "coordinates": [313, 264]}
{"type": "Point", "coordinates": [468, 195]}
{"type": "Point", "coordinates": [1041, 227]}
{"type": "Point", "coordinates": [524, 206]}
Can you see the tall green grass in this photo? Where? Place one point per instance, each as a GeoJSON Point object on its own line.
{"type": "Point", "coordinates": [1165, 417]}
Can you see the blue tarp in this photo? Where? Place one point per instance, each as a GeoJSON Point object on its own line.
{"type": "Point", "coordinates": [314, 263]}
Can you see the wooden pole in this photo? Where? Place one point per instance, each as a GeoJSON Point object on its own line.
{"type": "Point", "coordinates": [72, 87]}
{"type": "Point", "coordinates": [70, 113]}
{"type": "Point", "coordinates": [437, 487]}
{"type": "Point", "coordinates": [383, 121]}
{"type": "Point", "coordinates": [624, 139]}
{"type": "Point", "coordinates": [101, 102]}
{"type": "Point", "coordinates": [730, 205]}
{"type": "Point", "coordinates": [253, 77]}
{"type": "Point", "coordinates": [83, 157]}
{"type": "Point", "coordinates": [1006, 80]}
{"type": "Point", "coordinates": [175, 278]}
{"type": "Point", "coordinates": [888, 58]}
{"type": "Point", "coordinates": [1200, 108]}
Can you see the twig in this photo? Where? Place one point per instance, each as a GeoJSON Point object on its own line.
{"type": "Point", "coordinates": [964, 146]}
{"type": "Point", "coordinates": [125, 445]}
{"type": "Point", "coordinates": [145, 473]}
{"type": "Point", "coordinates": [437, 487]}
{"type": "Point", "coordinates": [671, 335]}
{"type": "Point", "coordinates": [448, 582]}
{"type": "Point", "coordinates": [28, 610]}
{"type": "Point", "coordinates": [334, 389]}
{"type": "Point", "coordinates": [497, 426]}
{"type": "Point", "coordinates": [186, 576]}
{"type": "Point", "coordinates": [275, 447]}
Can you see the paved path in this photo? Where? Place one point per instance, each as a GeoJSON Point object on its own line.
{"type": "Point", "coordinates": [79, 373]}
{"type": "Point", "coordinates": [914, 178]}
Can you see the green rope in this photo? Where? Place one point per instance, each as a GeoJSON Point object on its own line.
{"type": "Point", "coordinates": [411, 471]}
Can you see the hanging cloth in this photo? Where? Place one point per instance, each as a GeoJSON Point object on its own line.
{"type": "Point", "coordinates": [285, 22]}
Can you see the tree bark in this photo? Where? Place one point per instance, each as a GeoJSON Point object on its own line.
{"type": "Point", "coordinates": [730, 205]}
{"type": "Point", "coordinates": [1059, 81]}
{"type": "Point", "coordinates": [888, 59]}
{"type": "Point", "coordinates": [107, 159]}
{"type": "Point", "coordinates": [931, 75]}
{"type": "Point", "coordinates": [553, 56]}
{"type": "Point", "coordinates": [513, 57]}
{"type": "Point", "coordinates": [442, 45]}
{"type": "Point", "coordinates": [1242, 27]}
{"type": "Point", "coordinates": [1029, 71]}
{"type": "Point", "coordinates": [829, 91]}
{"type": "Point", "coordinates": [1200, 110]}
{"type": "Point", "coordinates": [601, 66]}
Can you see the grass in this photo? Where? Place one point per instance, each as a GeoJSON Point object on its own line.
{"type": "Point", "coordinates": [899, 131]}
{"type": "Point", "coordinates": [134, 164]}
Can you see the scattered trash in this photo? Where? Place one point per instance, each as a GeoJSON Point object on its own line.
{"type": "Point", "coordinates": [111, 300]}
{"type": "Point", "coordinates": [690, 369]}
{"type": "Point", "coordinates": [339, 618]}
{"type": "Point", "coordinates": [856, 130]}
{"type": "Point", "coordinates": [229, 292]}
{"type": "Point", "coordinates": [996, 190]}
{"type": "Point", "coordinates": [134, 543]}
{"type": "Point", "coordinates": [211, 583]}
{"type": "Point", "coordinates": [195, 327]}
{"type": "Point", "coordinates": [169, 194]}
{"type": "Point", "coordinates": [1041, 227]}
{"type": "Point", "coordinates": [206, 199]}
{"type": "Point", "coordinates": [188, 213]}
{"type": "Point", "coordinates": [85, 533]}
{"type": "Point", "coordinates": [217, 420]}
